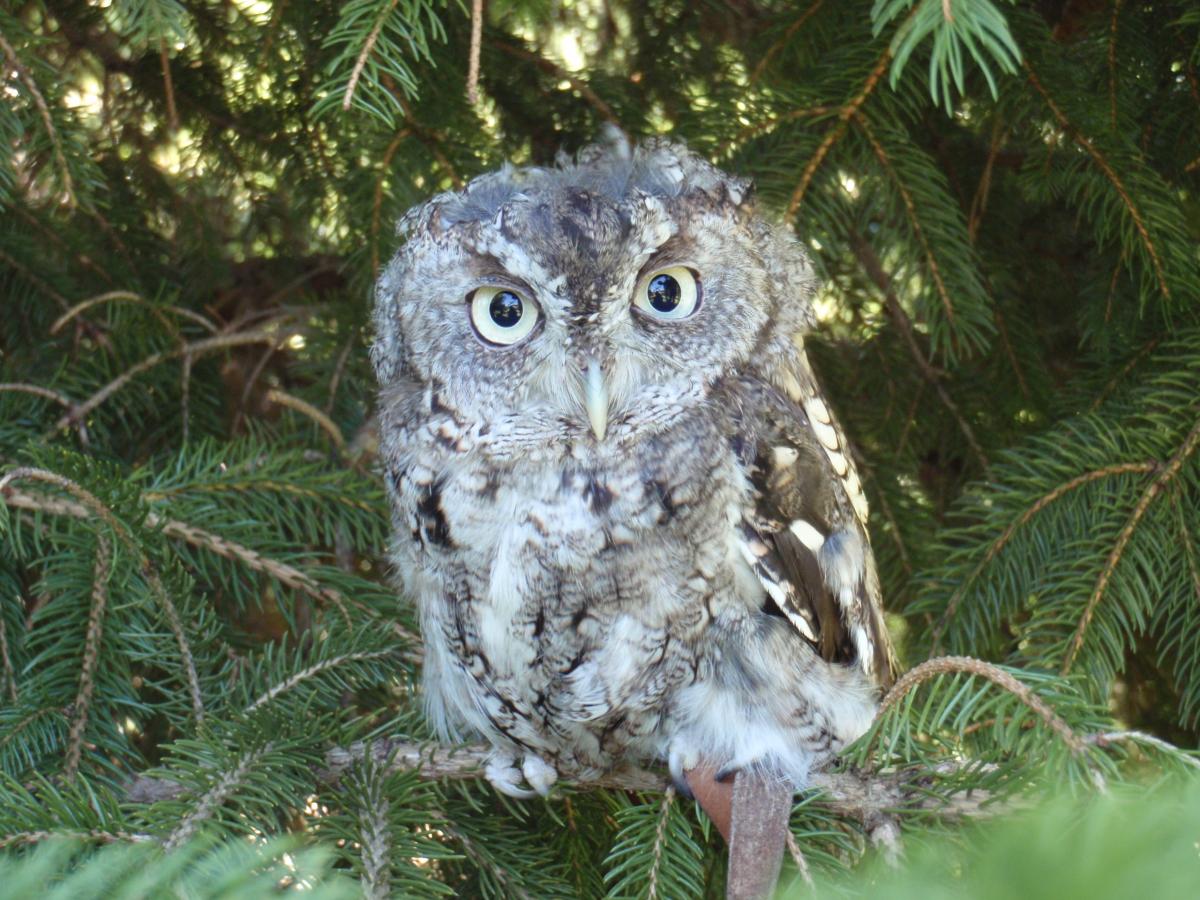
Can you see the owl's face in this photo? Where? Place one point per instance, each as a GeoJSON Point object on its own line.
{"type": "Point", "coordinates": [594, 296]}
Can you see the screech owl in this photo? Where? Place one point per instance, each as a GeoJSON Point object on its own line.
{"type": "Point", "coordinates": [630, 521]}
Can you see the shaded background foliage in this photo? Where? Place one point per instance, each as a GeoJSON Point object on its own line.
{"type": "Point", "coordinates": [1000, 198]}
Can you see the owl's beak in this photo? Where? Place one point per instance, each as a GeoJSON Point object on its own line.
{"type": "Point", "coordinates": [596, 399]}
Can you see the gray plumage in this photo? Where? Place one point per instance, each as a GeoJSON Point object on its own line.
{"type": "Point", "coordinates": [633, 531]}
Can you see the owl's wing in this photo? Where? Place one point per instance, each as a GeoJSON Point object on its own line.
{"type": "Point", "coordinates": [805, 535]}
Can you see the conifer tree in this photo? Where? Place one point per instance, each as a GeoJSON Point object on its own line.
{"type": "Point", "coordinates": [207, 683]}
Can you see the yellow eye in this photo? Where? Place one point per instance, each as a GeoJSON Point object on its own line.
{"type": "Point", "coordinates": [668, 294]}
{"type": "Point", "coordinates": [501, 315]}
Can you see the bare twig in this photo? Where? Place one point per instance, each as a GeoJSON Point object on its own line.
{"type": "Point", "coordinates": [103, 837]}
{"type": "Point", "coordinates": [1140, 737]}
{"type": "Point", "coordinates": [793, 847]}
{"type": "Point", "coordinates": [577, 84]}
{"type": "Point", "coordinates": [168, 86]}
{"type": "Point", "coordinates": [339, 369]}
{"type": "Point", "coordinates": [39, 391]}
{"type": "Point", "coordinates": [7, 673]}
{"type": "Point", "coordinates": [377, 204]}
{"type": "Point", "coordinates": [476, 46]}
{"type": "Point", "coordinates": [782, 42]}
{"type": "Point", "coordinates": [33, 279]}
{"type": "Point", "coordinates": [305, 408]}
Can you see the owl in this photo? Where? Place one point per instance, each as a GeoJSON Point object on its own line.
{"type": "Point", "coordinates": [629, 518]}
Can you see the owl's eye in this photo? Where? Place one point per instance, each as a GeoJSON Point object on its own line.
{"type": "Point", "coordinates": [668, 294]}
{"type": "Point", "coordinates": [502, 316]}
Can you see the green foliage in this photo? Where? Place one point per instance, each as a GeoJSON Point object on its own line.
{"type": "Point", "coordinates": [1109, 847]}
{"type": "Point", "coordinates": [58, 870]}
{"type": "Point", "coordinates": [974, 27]}
{"type": "Point", "coordinates": [196, 623]}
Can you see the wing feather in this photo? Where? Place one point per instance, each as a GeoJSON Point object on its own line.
{"type": "Point", "coordinates": [806, 532]}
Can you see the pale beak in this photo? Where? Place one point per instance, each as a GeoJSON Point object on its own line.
{"type": "Point", "coordinates": [596, 399]}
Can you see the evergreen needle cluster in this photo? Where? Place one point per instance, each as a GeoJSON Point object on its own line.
{"type": "Point", "coordinates": [206, 682]}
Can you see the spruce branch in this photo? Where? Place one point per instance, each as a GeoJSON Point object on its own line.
{"type": "Point", "coordinates": [156, 309]}
{"type": "Point", "coordinates": [282, 572]}
{"type": "Point", "coordinates": [311, 671]}
{"type": "Point", "coordinates": [784, 39]}
{"type": "Point", "coordinates": [1111, 385]}
{"type": "Point", "coordinates": [220, 791]}
{"type": "Point", "coordinates": [1110, 173]}
{"type": "Point", "coordinates": [1168, 473]}
{"type": "Point", "coordinates": [914, 220]}
{"type": "Point", "coordinates": [149, 572]}
{"type": "Point", "coordinates": [1021, 521]}
{"type": "Point", "coordinates": [943, 665]}
{"type": "Point", "coordinates": [845, 114]}
{"type": "Point", "coordinates": [874, 268]}
{"type": "Point", "coordinates": [368, 46]}
{"type": "Point", "coordinates": [91, 656]}
{"type": "Point", "coordinates": [194, 349]}
{"type": "Point", "coordinates": [43, 108]}
{"type": "Point", "coordinates": [373, 826]}
{"type": "Point", "coordinates": [664, 812]}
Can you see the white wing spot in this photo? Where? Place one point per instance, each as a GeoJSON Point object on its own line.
{"type": "Point", "coordinates": [809, 536]}
{"type": "Point", "coordinates": [783, 457]}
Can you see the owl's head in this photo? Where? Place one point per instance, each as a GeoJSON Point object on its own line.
{"type": "Point", "coordinates": [601, 294]}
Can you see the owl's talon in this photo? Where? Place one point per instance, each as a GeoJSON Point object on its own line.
{"type": "Point", "coordinates": [726, 773]}
{"type": "Point", "coordinates": [682, 788]}
{"type": "Point", "coordinates": [679, 760]}
{"type": "Point", "coordinates": [539, 774]}
{"type": "Point", "coordinates": [502, 772]}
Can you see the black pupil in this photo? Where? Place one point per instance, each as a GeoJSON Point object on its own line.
{"type": "Point", "coordinates": [506, 309]}
{"type": "Point", "coordinates": [663, 293]}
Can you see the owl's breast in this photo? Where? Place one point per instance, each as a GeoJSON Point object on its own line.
{"type": "Point", "coordinates": [577, 588]}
